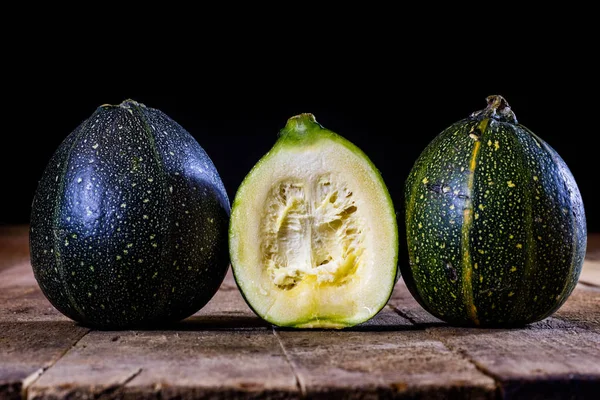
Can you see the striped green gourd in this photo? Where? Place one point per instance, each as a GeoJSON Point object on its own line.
{"type": "Point", "coordinates": [495, 223]}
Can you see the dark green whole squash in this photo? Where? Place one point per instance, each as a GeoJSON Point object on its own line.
{"type": "Point", "coordinates": [129, 221]}
{"type": "Point", "coordinates": [495, 223]}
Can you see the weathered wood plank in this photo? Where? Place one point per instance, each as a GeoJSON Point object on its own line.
{"type": "Point", "coordinates": [169, 364]}
{"type": "Point", "coordinates": [540, 361]}
{"type": "Point", "coordinates": [33, 335]}
{"type": "Point", "coordinates": [386, 320]}
{"type": "Point", "coordinates": [593, 246]}
{"type": "Point", "coordinates": [582, 309]}
{"type": "Point", "coordinates": [226, 310]}
{"type": "Point", "coordinates": [545, 360]}
{"type": "Point", "coordinates": [14, 245]}
{"type": "Point", "coordinates": [590, 274]}
{"type": "Point", "coordinates": [27, 348]}
{"type": "Point", "coordinates": [21, 298]}
{"type": "Point", "coordinates": [407, 306]}
{"type": "Point", "coordinates": [229, 281]}
{"type": "Point", "coordinates": [404, 363]}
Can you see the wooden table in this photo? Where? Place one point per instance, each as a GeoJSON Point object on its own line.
{"type": "Point", "coordinates": [225, 351]}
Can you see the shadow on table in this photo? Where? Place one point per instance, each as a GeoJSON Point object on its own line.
{"type": "Point", "coordinates": [381, 322]}
{"type": "Point", "coordinates": [234, 321]}
{"type": "Point", "coordinates": [213, 322]}
{"type": "Point", "coordinates": [243, 322]}
{"type": "Point", "coordinates": [218, 322]}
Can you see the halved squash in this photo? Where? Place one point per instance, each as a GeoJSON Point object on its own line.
{"type": "Point", "coordinates": [313, 232]}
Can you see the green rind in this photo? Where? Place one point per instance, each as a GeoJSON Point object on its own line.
{"type": "Point", "coordinates": [138, 228]}
{"type": "Point", "coordinates": [528, 240]}
{"type": "Point", "coordinates": [434, 229]}
{"type": "Point", "coordinates": [502, 204]}
{"type": "Point", "coordinates": [559, 220]}
{"type": "Point", "coordinates": [304, 130]}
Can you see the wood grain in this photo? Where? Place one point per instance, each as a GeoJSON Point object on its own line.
{"type": "Point", "coordinates": [14, 245]}
{"type": "Point", "coordinates": [381, 364]}
{"type": "Point", "coordinates": [582, 309]}
{"type": "Point", "coordinates": [406, 305]}
{"type": "Point", "coordinates": [590, 275]}
{"type": "Point", "coordinates": [33, 335]}
{"type": "Point", "coordinates": [540, 361]}
{"type": "Point", "coordinates": [593, 247]}
{"type": "Point", "coordinates": [28, 348]}
{"type": "Point", "coordinates": [171, 364]}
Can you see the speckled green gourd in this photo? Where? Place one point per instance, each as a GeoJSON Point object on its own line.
{"type": "Point", "coordinates": [129, 221]}
{"type": "Point", "coordinates": [495, 223]}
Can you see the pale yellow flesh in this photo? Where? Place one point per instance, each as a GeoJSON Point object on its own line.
{"type": "Point", "coordinates": [313, 241]}
{"type": "Point", "coordinates": [311, 229]}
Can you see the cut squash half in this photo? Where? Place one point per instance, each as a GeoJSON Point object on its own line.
{"type": "Point", "coordinates": [313, 234]}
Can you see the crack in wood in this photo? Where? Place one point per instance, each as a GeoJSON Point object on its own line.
{"type": "Point", "coordinates": [299, 382]}
{"type": "Point", "coordinates": [530, 384]}
{"type": "Point", "coordinates": [464, 355]}
{"type": "Point", "coordinates": [32, 378]}
{"type": "Point", "coordinates": [405, 316]}
{"type": "Point", "coordinates": [112, 389]}
{"type": "Point", "coordinates": [68, 391]}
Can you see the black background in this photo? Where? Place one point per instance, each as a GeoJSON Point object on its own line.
{"type": "Point", "coordinates": [390, 97]}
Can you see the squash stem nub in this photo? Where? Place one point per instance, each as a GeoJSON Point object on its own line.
{"type": "Point", "coordinates": [498, 109]}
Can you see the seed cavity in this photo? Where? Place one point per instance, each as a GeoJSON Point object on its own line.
{"type": "Point", "coordinates": [311, 228]}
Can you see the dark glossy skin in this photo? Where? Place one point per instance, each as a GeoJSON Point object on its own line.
{"type": "Point", "coordinates": [495, 223]}
{"type": "Point", "coordinates": [129, 221]}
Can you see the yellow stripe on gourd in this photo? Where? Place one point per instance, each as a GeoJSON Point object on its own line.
{"type": "Point", "coordinates": [467, 283]}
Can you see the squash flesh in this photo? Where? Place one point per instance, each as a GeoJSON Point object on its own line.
{"type": "Point", "coordinates": [311, 229]}
{"type": "Point", "coordinates": [313, 237]}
